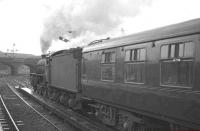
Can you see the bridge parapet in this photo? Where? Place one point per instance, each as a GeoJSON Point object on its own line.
{"type": "Point", "coordinates": [15, 63]}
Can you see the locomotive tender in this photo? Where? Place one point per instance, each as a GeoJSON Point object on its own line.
{"type": "Point", "coordinates": [144, 81]}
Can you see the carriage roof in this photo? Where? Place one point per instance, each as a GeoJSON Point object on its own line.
{"type": "Point", "coordinates": [175, 30]}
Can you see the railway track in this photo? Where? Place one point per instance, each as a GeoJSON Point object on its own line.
{"type": "Point", "coordinates": [6, 121]}
{"type": "Point", "coordinates": [25, 117]}
{"type": "Point", "coordinates": [47, 114]}
{"type": "Point", "coordinates": [79, 121]}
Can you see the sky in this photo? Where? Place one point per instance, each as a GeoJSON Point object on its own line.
{"type": "Point", "coordinates": [34, 26]}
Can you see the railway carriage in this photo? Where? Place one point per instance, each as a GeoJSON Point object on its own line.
{"type": "Point", "coordinates": [144, 81]}
{"type": "Point", "coordinates": [154, 73]}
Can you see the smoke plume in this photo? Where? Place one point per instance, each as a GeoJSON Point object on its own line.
{"type": "Point", "coordinates": [78, 19]}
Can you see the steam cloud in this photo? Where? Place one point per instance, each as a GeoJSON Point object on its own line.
{"type": "Point", "coordinates": [81, 18]}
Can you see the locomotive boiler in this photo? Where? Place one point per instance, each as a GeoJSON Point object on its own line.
{"type": "Point", "coordinates": [144, 81]}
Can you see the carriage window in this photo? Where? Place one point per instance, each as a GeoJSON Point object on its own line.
{"type": "Point", "coordinates": [189, 49]}
{"type": "Point", "coordinates": [127, 55]}
{"type": "Point", "coordinates": [177, 50]}
{"type": "Point", "coordinates": [107, 72]}
{"type": "Point", "coordinates": [164, 51]}
{"type": "Point", "coordinates": [103, 58]}
{"type": "Point", "coordinates": [177, 70]}
{"type": "Point", "coordinates": [108, 57]}
{"type": "Point", "coordinates": [134, 72]}
{"type": "Point", "coordinates": [142, 54]}
{"type": "Point", "coordinates": [172, 51]}
{"type": "Point", "coordinates": [134, 66]}
{"type": "Point", "coordinates": [135, 55]}
{"type": "Point", "coordinates": [181, 50]}
{"type": "Point", "coordinates": [177, 73]}
{"type": "Point", "coordinates": [108, 66]}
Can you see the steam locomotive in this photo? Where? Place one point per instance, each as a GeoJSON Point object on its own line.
{"type": "Point", "coordinates": [140, 82]}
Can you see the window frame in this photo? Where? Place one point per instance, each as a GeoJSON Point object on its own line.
{"type": "Point", "coordinates": [173, 59]}
{"type": "Point", "coordinates": [112, 63]}
{"type": "Point", "coordinates": [113, 66]}
{"type": "Point", "coordinates": [130, 61]}
{"type": "Point", "coordinates": [104, 53]}
{"type": "Point", "coordinates": [169, 51]}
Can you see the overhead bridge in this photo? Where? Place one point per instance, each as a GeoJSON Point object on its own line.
{"type": "Point", "coordinates": [15, 66]}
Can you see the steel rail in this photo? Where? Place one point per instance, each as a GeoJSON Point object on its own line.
{"type": "Point", "coordinates": [33, 108]}
{"type": "Point", "coordinates": [71, 119]}
{"type": "Point", "coordinates": [8, 113]}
